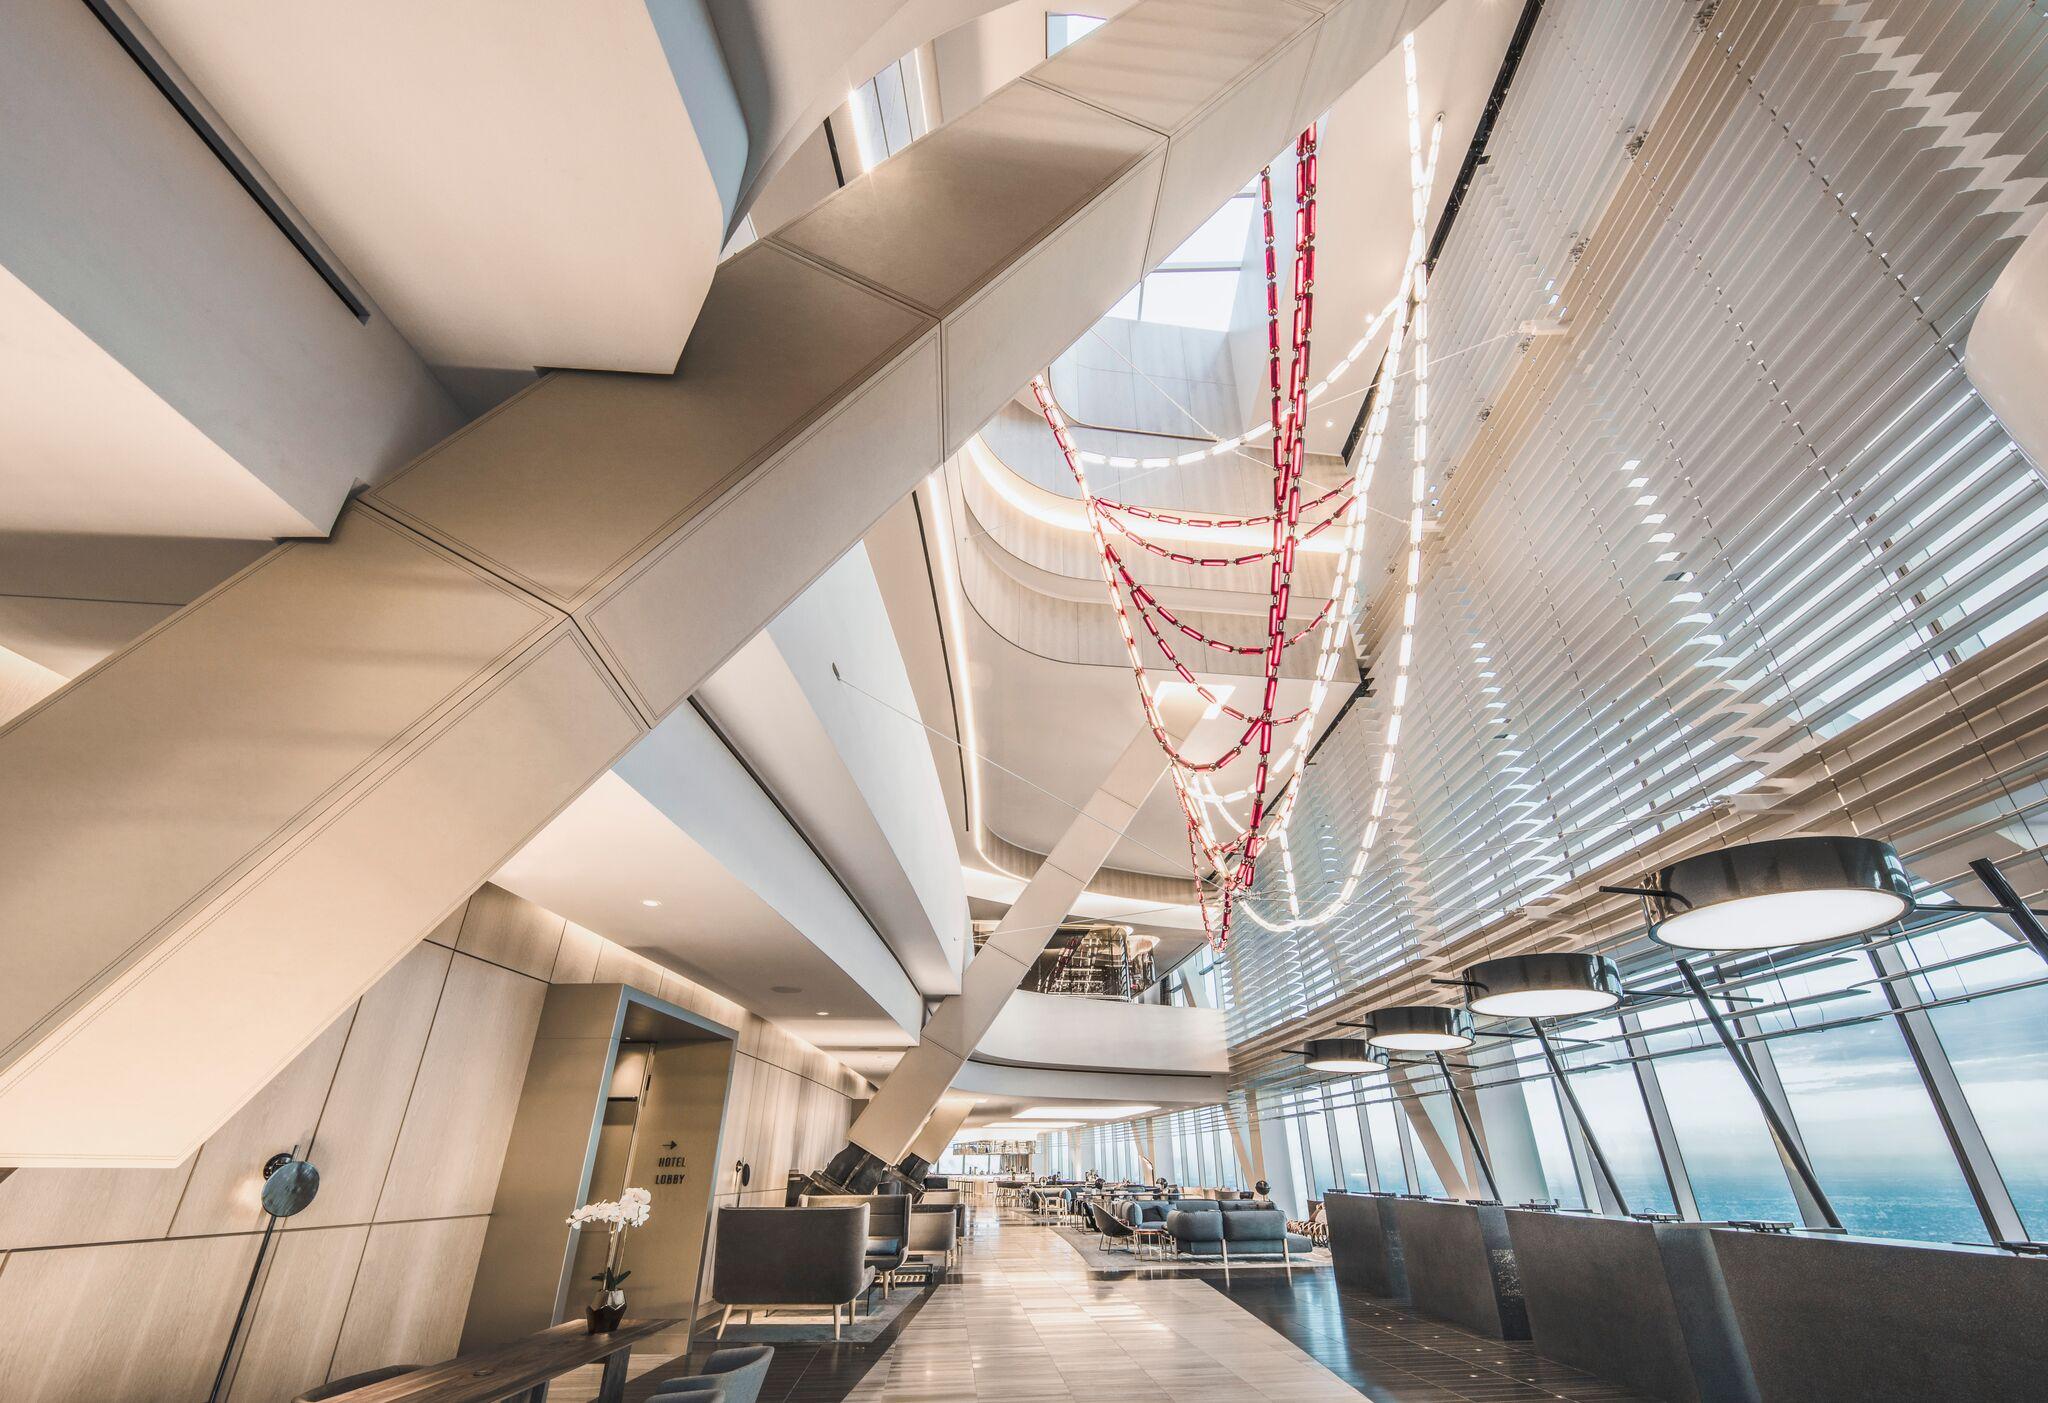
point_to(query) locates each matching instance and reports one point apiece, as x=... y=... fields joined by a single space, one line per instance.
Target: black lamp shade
x=1785 y=891
x=1343 y=1055
x=1550 y=985
x=1420 y=1028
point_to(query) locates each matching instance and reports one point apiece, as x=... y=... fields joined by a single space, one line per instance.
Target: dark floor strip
x=801 y=1372
x=1395 y=1356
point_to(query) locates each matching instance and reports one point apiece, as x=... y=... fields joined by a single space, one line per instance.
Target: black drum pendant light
x=1786 y=891
x=1419 y=1028
x=1777 y=893
x=1548 y=985
x=1343 y=1055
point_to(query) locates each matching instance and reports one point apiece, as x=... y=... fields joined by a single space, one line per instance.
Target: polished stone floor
x=1023 y=1319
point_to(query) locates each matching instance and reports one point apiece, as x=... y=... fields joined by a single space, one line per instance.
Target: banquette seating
x=1231 y=1228
x=818 y=1257
x=888 y=1240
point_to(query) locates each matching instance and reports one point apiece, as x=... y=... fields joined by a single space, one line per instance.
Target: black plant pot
x=605 y=1313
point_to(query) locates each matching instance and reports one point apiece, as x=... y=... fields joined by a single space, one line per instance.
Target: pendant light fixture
x=1419 y=1028
x=1777 y=893
x=1342 y=1055
x=1556 y=984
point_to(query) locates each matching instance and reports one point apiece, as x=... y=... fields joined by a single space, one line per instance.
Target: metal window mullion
x=1592 y=1188
x=1402 y=1138
x=1661 y=1129
x=1951 y=1107
x=1759 y=1054
x=1371 y=1150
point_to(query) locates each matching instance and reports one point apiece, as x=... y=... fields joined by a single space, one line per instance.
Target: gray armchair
x=769 y=1257
x=1108 y=1227
x=1145 y=1212
x=888 y=1228
x=730 y=1376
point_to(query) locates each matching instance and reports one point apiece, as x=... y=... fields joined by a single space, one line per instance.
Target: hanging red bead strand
x=1232 y=864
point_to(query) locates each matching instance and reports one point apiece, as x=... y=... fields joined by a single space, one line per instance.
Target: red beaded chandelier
x=1231 y=863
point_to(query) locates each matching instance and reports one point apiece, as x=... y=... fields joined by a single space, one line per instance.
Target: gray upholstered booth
x=1365 y=1244
x=1209 y=1228
x=1827 y=1319
x=730 y=1376
x=770 y=1257
x=952 y=1198
x=888 y=1227
x=934 y=1231
x=1461 y=1266
x=1600 y=1299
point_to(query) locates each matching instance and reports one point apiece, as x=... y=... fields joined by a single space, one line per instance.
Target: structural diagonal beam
x=221 y=836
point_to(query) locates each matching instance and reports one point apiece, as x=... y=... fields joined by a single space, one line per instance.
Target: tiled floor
x=1025 y=1320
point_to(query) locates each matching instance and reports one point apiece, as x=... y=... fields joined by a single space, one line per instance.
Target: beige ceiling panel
x=1009 y=330
x=1245 y=127
x=1163 y=62
x=1354 y=36
x=564 y=485
x=689 y=606
x=958 y=208
x=290 y=682
x=344 y=740
x=213 y=1010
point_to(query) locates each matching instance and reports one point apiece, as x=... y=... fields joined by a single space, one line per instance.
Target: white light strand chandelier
x=1233 y=861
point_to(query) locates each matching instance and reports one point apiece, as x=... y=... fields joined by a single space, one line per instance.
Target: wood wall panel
x=410 y=1294
x=119 y=1286
x=499 y=927
x=577 y=961
x=297 y=1321
x=132 y=1322
x=366 y=1105
x=50 y=1207
x=463 y=1101
x=225 y=1191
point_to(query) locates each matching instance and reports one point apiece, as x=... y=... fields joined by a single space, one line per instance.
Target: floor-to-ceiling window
x=1723 y=1142
x=1998 y=1046
x=1385 y=1128
x=1547 y=1124
x=1347 y=1121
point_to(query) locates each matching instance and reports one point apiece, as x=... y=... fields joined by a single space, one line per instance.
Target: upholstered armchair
x=1108 y=1227
x=769 y=1257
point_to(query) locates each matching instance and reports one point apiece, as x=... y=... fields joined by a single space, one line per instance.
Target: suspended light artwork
x=1230 y=862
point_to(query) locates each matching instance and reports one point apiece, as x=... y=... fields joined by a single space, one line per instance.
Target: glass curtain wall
x=1909 y=1069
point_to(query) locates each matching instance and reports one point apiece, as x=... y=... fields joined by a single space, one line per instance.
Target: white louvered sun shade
x=1746 y=501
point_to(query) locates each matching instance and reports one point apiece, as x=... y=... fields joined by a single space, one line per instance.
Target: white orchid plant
x=617 y=1216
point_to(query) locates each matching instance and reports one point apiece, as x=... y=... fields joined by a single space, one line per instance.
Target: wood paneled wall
x=119 y=1286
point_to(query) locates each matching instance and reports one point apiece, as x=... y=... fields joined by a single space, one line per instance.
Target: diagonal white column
x=217 y=839
x=890 y=1122
x=942 y=1125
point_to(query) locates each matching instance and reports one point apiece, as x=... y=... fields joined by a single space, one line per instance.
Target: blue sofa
x=1230 y=1229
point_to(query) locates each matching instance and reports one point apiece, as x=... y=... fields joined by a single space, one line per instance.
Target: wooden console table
x=520 y=1370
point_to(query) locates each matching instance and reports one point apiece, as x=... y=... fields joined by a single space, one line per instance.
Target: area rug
x=798 y=1324
x=1124 y=1259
